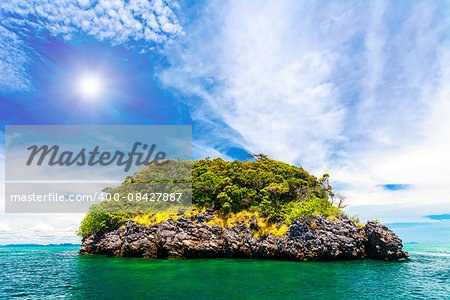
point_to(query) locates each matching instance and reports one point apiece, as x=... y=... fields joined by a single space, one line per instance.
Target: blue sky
x=356 y=89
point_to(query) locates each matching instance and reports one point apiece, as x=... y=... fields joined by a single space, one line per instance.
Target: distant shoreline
x=40 y=245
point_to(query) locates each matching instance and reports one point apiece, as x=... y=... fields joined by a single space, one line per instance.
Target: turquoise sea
x=59 y=272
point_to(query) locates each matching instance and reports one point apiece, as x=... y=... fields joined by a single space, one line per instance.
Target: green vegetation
x=272 y=190
x=101 y=222
x=280 y=190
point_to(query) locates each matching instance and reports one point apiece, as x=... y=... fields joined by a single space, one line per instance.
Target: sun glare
x=90 y=86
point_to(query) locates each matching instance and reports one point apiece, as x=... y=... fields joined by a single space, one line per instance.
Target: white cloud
x=4 y=227
x=118 y=21
x=270 y=82
x=204 y=151
x=42 y=227
x=39 y=228
x=84 y=3
x=349 y=88
x=13 y=62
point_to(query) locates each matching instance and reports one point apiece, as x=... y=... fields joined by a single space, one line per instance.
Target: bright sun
x=90 y=86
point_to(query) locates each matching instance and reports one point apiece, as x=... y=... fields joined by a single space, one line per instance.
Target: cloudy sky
x=360 y=90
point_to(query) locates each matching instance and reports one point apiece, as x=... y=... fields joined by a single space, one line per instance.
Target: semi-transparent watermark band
x=115 y=169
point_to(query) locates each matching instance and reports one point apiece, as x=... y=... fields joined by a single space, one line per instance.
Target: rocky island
x=260 y=209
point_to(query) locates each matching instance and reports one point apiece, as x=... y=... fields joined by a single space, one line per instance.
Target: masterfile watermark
x=94 y=157
x=116 y=169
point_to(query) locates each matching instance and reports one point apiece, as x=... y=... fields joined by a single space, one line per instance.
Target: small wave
x=437 y=254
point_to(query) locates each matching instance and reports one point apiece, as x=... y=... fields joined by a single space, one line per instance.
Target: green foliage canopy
x=282 y=191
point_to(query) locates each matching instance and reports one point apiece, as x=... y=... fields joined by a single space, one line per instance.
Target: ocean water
x=59 y=272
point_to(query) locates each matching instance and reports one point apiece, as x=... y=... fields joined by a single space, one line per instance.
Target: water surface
x=49 y=272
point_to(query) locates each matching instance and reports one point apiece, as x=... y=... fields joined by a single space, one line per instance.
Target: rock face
x=382 y=243
x=309 y=239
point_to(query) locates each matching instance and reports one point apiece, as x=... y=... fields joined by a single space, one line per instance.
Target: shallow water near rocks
x=50 y=271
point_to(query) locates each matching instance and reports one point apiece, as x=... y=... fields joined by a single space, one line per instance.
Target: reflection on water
x=48 y=272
